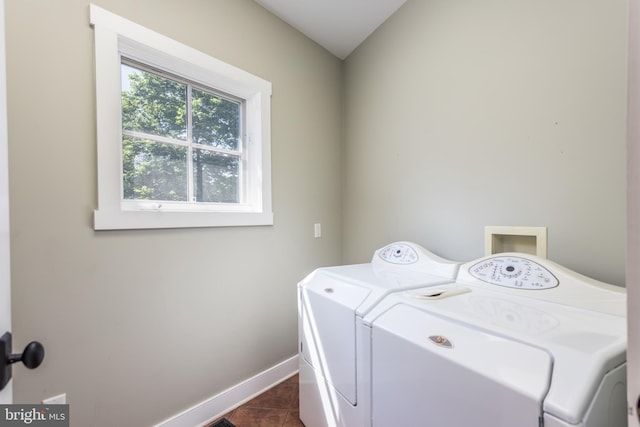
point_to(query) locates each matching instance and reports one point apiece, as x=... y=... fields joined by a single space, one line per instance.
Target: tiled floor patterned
x=276 y=407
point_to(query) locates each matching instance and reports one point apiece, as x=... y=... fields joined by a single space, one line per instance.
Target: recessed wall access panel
x=528 y=240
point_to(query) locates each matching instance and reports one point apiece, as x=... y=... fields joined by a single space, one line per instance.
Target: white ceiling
x=337 y=25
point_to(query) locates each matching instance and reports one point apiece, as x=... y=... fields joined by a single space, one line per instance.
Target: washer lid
x=583 y=344
x=445 y=373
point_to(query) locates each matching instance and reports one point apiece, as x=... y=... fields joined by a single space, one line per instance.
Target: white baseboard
x=222 y=403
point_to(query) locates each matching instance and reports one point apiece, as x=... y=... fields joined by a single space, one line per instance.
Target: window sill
x=131 y=220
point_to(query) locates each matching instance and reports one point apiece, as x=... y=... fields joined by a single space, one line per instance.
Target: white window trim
x=114 y=36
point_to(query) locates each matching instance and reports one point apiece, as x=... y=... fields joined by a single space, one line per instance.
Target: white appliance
x=331 y=304
x=516 y=341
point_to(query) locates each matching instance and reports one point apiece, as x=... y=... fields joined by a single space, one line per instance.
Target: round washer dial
x=514 y=272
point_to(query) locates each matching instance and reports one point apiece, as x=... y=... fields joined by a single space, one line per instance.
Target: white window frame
x=116 y=37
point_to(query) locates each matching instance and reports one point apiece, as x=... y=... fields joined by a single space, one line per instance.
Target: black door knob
x=31 y=357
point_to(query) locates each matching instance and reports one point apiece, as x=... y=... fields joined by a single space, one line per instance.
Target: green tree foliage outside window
x=166 y=124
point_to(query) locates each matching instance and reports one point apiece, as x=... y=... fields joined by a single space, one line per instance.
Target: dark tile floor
x=276 y=407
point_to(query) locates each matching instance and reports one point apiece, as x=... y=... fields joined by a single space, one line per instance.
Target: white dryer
x=516 y=341
x=331 y=304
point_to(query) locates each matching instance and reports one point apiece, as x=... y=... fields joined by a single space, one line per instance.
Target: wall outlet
x=60 y=399
x=317 y=230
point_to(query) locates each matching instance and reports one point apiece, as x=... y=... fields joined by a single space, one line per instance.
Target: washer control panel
x=409 y=256
x=514 y=272
x=398 y=253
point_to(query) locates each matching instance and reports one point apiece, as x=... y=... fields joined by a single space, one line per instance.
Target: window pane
x=154 y=171
x=215 y=177
x=216 y=121
x=153 y=104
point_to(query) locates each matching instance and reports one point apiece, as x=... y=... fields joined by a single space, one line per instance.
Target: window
x=180 y=143
x=183 y=138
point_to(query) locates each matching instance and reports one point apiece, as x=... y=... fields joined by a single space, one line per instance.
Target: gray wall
x=140 y=325
x=461 y=114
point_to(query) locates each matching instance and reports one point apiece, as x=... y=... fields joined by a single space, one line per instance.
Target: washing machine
x=515 y=341
x=331 y=304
